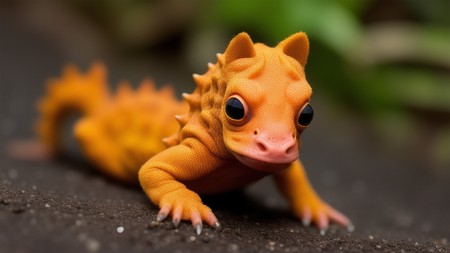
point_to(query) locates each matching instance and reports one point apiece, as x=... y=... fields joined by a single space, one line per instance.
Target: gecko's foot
x=187 y=208
x=321 y=214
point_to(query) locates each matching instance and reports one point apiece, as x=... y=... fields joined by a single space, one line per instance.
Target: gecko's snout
x=276 y=149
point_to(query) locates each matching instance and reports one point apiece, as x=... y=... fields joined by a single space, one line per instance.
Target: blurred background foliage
x=385 y=61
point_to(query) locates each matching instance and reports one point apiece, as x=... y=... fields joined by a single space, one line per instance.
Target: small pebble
x=92 y=245
x=47 y=205
x=370 y=237
x=120 y=230
x=205 y=239
x=233 y=247
x=192 y=238
x=154 y=224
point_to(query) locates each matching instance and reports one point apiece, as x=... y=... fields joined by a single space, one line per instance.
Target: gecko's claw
x=306 y=222
x=197 y=222
x=306 y=217
x=163 y=213
x=323 y=231
x=176 y=216
x=198 y=228
x=161 y=217
x=217 y=225
x=350 y=227
x=176 y=222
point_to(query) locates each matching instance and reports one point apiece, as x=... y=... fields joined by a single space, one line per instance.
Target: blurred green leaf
x=407 y=42
x=336 y=27
x=419 y=88
x=431 y=11
x=355 y=6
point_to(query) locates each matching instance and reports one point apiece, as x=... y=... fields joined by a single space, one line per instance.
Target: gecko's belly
x=225 y=178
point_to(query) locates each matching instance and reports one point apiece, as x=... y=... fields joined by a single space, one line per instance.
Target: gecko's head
x=266 y=101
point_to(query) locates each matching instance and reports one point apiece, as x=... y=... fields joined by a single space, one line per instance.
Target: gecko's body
x=244 y=123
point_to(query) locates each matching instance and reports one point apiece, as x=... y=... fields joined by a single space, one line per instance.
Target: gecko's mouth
x=264 y=164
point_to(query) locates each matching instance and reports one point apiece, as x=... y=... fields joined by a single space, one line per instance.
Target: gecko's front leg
x=161 y=179
x=305 y=202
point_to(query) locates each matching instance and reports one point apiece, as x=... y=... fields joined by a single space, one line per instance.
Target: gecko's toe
x=211 y=219
x=339 y=218
x=322 y=222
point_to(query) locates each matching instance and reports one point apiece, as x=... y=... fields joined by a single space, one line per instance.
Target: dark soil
x=396 y=203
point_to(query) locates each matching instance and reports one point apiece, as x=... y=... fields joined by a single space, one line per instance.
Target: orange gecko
x=243 y=123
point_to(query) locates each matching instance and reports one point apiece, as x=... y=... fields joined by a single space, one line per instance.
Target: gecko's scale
x=244 y=123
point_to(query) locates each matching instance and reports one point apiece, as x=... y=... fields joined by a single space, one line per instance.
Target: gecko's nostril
x=255 y=132
x=261 y=147
x=290 y=150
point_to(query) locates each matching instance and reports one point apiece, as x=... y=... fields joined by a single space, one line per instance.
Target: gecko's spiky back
x=205 y=102
x=195 y=102
x=130 y=128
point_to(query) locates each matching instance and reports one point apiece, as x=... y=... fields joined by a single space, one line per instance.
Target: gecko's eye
x=305 y=116
x=236 y=110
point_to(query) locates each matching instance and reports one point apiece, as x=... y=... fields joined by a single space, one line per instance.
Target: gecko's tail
x=116 y=132
x=72 y=93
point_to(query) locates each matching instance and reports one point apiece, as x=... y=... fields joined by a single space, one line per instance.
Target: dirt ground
x=396 y=203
